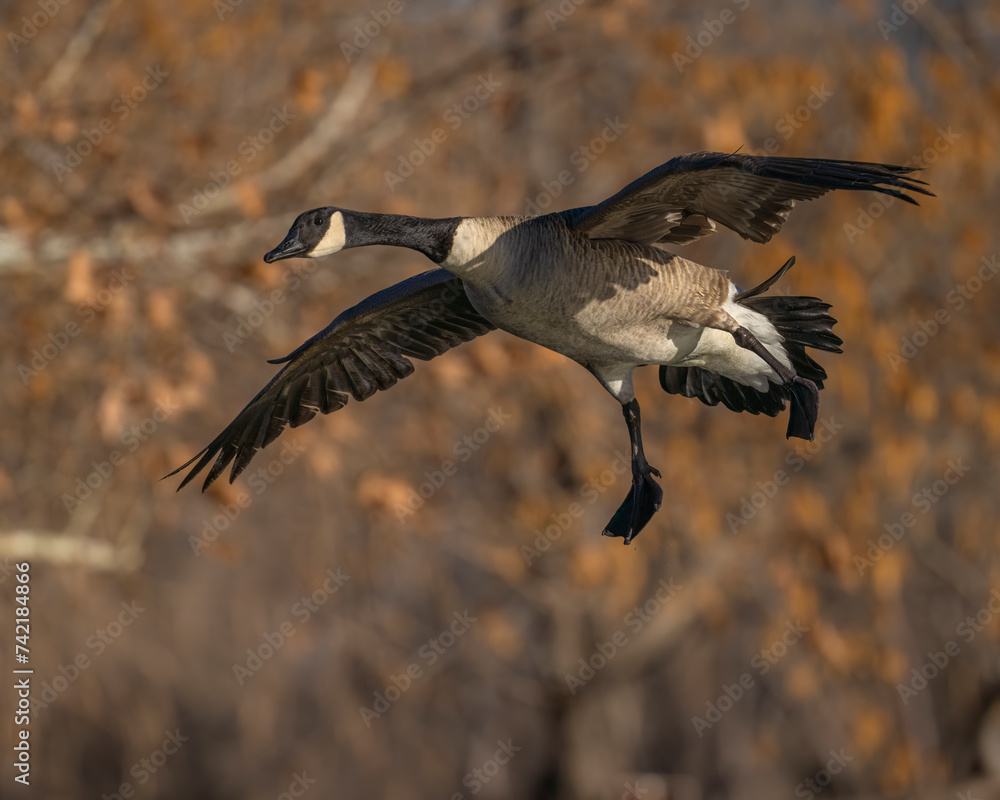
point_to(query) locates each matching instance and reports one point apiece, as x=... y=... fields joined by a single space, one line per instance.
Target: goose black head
x=315 y=233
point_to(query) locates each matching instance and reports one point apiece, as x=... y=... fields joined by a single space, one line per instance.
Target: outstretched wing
x=683 y=199
x=363 y=350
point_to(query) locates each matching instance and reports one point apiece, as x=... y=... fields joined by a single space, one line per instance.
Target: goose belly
x=613 y=302
x=596 y=332
x=597 y=337
x=607 y=333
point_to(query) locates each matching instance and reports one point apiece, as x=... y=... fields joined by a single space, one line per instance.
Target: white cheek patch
x=334 y=238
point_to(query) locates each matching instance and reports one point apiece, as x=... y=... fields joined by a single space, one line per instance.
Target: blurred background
x=411 y=598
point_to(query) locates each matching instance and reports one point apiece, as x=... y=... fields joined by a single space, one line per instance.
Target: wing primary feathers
x=752 y=195
x=364 y=350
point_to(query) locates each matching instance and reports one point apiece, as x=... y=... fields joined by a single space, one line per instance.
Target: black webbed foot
x=643 y=500
x=645 y=497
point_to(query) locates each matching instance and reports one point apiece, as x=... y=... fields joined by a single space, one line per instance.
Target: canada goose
x=586 y=283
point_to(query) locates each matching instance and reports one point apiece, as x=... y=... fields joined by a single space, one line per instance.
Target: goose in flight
x=588 y=283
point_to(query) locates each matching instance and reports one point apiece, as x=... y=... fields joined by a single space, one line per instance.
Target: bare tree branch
x=68 y=549
x=330 y=128
x=73 y=545
x=76 y=51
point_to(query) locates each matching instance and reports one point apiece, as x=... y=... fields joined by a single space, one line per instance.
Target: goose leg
x=805 y=396
x=646 y=495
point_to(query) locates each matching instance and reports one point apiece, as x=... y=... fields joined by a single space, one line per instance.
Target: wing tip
x=206 y=456
x=185 y=465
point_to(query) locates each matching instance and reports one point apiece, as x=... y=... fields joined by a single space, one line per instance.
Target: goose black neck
x=432 y=237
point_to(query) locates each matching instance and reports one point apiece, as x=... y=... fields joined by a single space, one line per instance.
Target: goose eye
x=317 y=221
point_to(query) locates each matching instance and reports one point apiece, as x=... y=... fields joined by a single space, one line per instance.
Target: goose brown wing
x=682 y=200
x=365 y=349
